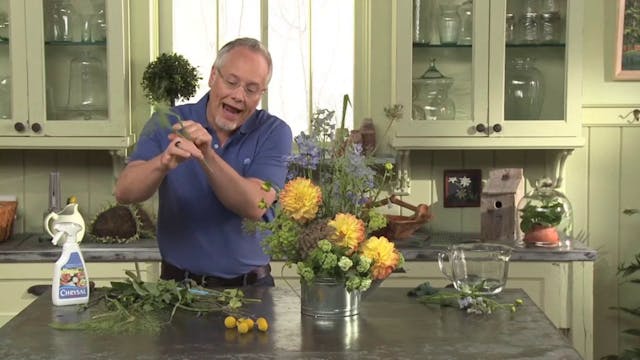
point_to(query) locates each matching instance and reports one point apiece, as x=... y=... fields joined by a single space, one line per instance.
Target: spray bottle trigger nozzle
x=69 y=229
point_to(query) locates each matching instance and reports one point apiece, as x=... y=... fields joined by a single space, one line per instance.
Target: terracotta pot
x=542 y=236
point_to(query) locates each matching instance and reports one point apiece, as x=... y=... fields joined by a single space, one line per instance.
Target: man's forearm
x=139 y=181
x=238 y=194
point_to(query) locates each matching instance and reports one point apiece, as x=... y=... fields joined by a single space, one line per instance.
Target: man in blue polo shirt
x=209 y=168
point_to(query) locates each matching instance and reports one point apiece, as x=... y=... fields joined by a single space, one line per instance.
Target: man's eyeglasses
x=251 y=90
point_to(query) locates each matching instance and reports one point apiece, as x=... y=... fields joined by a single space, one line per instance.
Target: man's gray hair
x=249 y=43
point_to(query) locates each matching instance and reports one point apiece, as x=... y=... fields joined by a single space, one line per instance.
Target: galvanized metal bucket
x=328 y=298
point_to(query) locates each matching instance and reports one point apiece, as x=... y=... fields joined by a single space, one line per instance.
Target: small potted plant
x=545 y=216
x=538 y=222
x=168 y=78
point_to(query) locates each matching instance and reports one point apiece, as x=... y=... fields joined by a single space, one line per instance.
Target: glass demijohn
x=87 y=86
x=524 y=90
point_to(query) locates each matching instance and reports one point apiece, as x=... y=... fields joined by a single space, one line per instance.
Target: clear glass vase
x=545 y=217
x=524 y=90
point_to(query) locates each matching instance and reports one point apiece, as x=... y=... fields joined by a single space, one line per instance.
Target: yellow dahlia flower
x=384 y=255
x=350 y=231
x=301 y=199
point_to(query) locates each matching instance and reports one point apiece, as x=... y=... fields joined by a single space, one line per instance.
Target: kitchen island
x=390 y=325
x=559 y=281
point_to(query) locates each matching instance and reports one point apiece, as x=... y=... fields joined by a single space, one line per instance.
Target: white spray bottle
x=70 y=280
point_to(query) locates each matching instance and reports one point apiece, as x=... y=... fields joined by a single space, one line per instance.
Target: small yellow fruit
x=230 y=322
x=249 y=322
x=243 y=327
x=262 y=323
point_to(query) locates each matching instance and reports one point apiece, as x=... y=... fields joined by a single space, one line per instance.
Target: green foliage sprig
x=135 y=306
x=625 y=271
x=168 y=78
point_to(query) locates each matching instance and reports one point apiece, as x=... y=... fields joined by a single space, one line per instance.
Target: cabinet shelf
x=422 y=45
x=75 y=43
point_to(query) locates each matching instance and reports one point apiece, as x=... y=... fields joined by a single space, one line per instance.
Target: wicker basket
x=402 y=227
x=7 y=217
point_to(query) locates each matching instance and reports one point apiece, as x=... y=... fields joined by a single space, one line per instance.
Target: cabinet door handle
x=481 y=128
x=19 y=127
x=497 y=127
x=36 y=127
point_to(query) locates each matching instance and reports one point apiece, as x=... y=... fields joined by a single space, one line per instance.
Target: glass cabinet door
x=75 y=59
x=13 y=90
x=515 y=77
x=78 y=77
x=532 y=67
x=449 y=67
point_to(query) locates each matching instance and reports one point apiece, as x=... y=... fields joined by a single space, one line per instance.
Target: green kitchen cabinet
x=480 y=110
x=66 y=75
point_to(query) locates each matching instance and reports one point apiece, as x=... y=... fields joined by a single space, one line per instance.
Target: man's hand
x=195 y=133
x=189 y=140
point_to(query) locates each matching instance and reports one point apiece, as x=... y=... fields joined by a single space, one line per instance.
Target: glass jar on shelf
x=4 y=26
x=545 y=217
x=5 y=97
x=465 y=29
x=422 y=21
x=448 y=24
x=527 y=23
x=524 y=90
x=60 y=21
x=551 y=28
x=431 y=99
x=87 y=86
x=509 y=28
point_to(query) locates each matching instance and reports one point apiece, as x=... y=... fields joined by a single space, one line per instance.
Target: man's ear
x=212 y=75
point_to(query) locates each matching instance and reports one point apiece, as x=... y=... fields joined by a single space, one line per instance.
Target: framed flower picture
x=627 y=56
x=462 y=188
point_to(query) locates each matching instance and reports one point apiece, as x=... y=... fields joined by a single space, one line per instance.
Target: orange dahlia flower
x=383 y=254
x=350 y=231
x=301 y=199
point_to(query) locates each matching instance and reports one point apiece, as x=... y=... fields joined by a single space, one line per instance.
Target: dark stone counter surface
x=390 y=326
x=38 y=248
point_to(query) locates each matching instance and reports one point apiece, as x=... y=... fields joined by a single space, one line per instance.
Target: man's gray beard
x=226 y=125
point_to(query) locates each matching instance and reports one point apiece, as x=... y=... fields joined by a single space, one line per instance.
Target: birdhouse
x=499 y=205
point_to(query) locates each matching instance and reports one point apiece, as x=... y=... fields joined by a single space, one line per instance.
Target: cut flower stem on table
x=469 y=299
x=135 y=306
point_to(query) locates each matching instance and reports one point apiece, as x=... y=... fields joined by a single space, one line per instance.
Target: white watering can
x=69 y=214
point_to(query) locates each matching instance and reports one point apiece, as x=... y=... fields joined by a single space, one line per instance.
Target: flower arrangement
x=323 y=216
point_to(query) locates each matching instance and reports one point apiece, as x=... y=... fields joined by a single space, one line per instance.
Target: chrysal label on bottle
x=73 y=280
